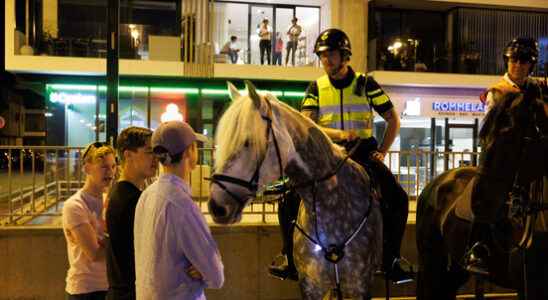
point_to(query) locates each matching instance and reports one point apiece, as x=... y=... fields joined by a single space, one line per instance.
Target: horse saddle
x=462 y=205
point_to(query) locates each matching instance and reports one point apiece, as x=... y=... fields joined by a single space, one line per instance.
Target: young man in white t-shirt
x=84 y=227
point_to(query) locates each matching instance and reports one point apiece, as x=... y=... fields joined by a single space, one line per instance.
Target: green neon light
x=188 y=91
x=275 y=93
x=293 y=94
x=72 y=87
x=143 y=89
x=215 y=92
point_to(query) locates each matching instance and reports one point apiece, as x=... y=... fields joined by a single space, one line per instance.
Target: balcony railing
x=36 y=180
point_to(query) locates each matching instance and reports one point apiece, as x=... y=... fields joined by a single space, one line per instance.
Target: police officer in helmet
x=520 y=57
x=342 y=103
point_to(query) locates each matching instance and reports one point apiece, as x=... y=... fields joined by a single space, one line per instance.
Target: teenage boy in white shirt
x=83 y=226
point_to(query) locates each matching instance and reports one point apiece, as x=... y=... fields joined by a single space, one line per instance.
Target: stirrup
x=474 y=262
x=397 y=274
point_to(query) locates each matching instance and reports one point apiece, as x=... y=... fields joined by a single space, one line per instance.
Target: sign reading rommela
x=458 y=107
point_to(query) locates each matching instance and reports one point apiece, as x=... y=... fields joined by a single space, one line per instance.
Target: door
x=460 y=140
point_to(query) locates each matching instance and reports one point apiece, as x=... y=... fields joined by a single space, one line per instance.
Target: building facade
x=433 y=58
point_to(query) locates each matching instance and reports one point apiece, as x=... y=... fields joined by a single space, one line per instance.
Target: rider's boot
x=400 y=271
x=282 y=266
x=476 y=258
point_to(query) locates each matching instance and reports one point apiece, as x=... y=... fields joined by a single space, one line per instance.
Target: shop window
x=167 y=105
x=132 y=108
x=309 y=19
x=230 y=20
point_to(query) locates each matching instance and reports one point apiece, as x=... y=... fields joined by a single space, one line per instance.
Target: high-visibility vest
x=348 y=108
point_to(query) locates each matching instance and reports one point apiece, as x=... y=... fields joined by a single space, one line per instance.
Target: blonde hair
x=241 y=123
x=95 y=152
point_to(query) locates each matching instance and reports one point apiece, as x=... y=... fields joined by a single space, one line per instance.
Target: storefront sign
x=458 y=109
x=76 y=98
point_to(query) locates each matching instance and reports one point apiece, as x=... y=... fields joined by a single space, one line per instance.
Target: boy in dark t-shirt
x=137 y=164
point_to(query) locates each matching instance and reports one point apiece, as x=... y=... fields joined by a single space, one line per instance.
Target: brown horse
x=514 y=156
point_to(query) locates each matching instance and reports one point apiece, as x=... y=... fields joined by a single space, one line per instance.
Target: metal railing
x=36 y=180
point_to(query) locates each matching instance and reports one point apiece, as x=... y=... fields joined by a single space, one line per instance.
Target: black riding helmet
x=522 y=48
x=333 y=39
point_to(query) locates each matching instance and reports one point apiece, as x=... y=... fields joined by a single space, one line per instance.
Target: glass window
x=230 y=20
x=132 y=107
x=409 y=40
x=167 y=105
x=309 y=19
x=258 y=14
x=243 y=20
x=101 y=117
x=80 y=109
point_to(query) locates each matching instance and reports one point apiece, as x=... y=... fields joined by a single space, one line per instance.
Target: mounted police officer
x=520 y=57
x=342 y=103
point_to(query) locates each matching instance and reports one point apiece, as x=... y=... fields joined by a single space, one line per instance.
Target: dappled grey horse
x=339 y=236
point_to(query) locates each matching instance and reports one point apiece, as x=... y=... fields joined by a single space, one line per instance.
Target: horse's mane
x=239 y=124
x=497 y=120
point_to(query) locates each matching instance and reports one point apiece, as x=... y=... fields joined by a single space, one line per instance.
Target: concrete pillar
x=351 y=17
x=49 y=18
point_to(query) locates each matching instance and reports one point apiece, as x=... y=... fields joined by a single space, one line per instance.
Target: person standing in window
x=278 y=48
x=293 y=32
x=265 y=43
x=83 y=226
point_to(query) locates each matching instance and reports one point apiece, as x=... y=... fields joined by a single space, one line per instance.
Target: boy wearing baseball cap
x=175 y=254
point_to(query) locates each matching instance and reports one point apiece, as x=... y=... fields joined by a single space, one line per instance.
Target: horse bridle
x=252 y=184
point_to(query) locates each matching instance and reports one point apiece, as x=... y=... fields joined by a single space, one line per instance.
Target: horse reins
x=253 y=183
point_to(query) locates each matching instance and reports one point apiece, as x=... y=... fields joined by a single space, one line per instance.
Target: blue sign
x=458 y=107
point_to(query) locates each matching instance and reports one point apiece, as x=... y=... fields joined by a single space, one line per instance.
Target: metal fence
x=36 y=180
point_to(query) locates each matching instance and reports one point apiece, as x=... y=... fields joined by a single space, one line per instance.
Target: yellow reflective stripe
x=365 y=133
x=310 y=102
x=380 y=99
x=370 y=93
x=353 y=116
x=354 y=99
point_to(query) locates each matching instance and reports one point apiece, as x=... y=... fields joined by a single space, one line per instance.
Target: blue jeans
x=99 y=295
x=277 y=58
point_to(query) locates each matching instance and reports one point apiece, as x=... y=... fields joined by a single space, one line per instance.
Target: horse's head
x=252 y=149
x=514 y=138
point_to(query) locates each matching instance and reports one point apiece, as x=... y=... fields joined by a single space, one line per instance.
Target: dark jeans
x=265 y=45
x=277 y=58
x=291 y=47
x=121 y=294
x=394 y=201
x=394 y=205
x=99 y=295
x=233 y=56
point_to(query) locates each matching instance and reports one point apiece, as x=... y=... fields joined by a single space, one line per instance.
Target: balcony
x=161 y=39
x=450 y=38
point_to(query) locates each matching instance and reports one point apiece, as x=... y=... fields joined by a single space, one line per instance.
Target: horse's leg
x=436 y=280
x=309 y=291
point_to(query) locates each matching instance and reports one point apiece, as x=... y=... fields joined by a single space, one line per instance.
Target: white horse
x=338 y=243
